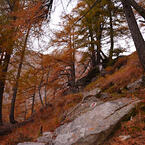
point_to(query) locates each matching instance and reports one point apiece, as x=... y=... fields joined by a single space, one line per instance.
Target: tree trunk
x=25 y=113
x=33 y=101
x=135 y=32
x=98 y=61
x=6 y=55
x=2 y=80
x=111 y=35
x=92 y=49
x=73 y=84
x=39 y=90
x=99 y=37
x=138 y=8
x=72 y=73
x=46 y=88
x=15 y=88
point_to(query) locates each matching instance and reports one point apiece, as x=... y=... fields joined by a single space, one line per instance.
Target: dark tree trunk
x=2 y=80
x=135 y=32
x=92 y=49
x=72 y=66
x=6 y=55
x=39 y=90
x=33 y=101
x=98 y=61
x=111 y=35
x=15 y=88
x=138 y=8
x=99 y=37
x=98 y=57
x=46 y=88
x=73 y=84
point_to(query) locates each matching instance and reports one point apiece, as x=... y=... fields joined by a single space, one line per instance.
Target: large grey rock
x=94 y=126
x=31 y=143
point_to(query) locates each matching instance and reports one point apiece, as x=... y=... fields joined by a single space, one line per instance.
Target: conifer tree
x=15 y=18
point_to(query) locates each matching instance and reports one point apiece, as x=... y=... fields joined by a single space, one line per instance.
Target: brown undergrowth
x=125 y=71
x=48 y=118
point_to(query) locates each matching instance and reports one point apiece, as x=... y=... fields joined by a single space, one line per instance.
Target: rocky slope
x=91 y=126
x=106 y=102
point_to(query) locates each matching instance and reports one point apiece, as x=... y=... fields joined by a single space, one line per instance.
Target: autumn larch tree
x=15 y=87
x=7 y=43
x=12 y=28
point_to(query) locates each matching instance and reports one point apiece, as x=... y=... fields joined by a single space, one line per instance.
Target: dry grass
x=122 y=74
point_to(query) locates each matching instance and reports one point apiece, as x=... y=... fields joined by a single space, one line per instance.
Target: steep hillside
x=123 y=79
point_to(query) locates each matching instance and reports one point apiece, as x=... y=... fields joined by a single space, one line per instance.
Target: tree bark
x=138 y=8
x=46 y=88
x=72 y=81
x=98 y=61
x=92 y=47
x=15 y=88
x=39 y=90
x=93 y=53
x=135 y=32
x=6 y=55
x=2 y=81
x=111 y=34
x=25 y=113
x=33 y=101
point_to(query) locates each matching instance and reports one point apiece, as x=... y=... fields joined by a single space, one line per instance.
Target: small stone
x=124 y=137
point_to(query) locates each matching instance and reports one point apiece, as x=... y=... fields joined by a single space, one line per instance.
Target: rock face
x=94 y=126
x=91 y=127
